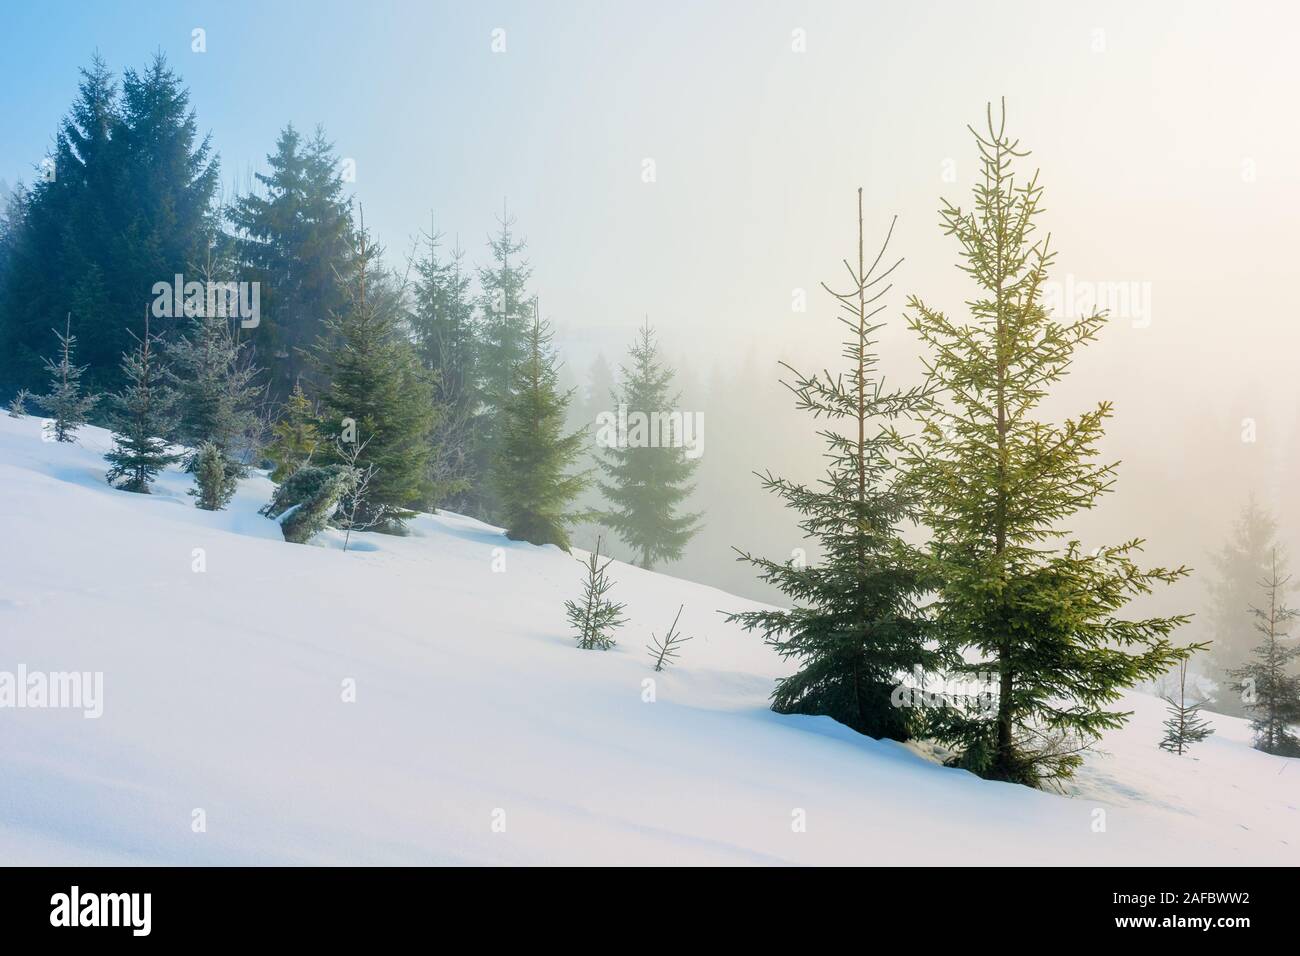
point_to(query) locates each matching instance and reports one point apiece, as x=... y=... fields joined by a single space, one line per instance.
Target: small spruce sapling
x=1185 y=725
x=215 y=483
x=595 y=617
x=353 y=513
x=18 y=405
x=294 y=437
x=65 y=402
x=142 y=412
x=665 y=651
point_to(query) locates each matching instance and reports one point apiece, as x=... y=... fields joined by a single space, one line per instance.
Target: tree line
x=438 y=384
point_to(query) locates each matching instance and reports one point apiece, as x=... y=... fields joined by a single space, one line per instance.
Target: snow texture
x=224 y=691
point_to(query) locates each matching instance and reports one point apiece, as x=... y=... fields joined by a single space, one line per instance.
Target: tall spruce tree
x=142 y=415
x=442 y=322
x=1271 y=694
x=1014 y=603
x=854 y=626
x=505 y=311
x=531 y=469
x=1185 y=725
x=295 y=237
x=378 y=395
x=446 y=338
x=66 y=401
x=647 y=480
x=1244 y=560
x=125 y=201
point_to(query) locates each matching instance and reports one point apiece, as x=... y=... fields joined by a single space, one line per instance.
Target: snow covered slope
x=479 y=733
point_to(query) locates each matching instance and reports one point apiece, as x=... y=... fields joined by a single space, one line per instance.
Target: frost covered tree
x=18 y=404
x=648 y=482
x=595 y=617
x=68 y=406
x=531 y=473
x=354 y=511
x=143 y=412
x=294 y=437
x=1185 y=725
x=216 y=382
x=854 y=624
x=1272 y=695
x=215 y=481
x=306 y=501
x=1017 y=601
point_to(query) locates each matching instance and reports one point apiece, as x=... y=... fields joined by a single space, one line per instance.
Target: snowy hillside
x=223 y=692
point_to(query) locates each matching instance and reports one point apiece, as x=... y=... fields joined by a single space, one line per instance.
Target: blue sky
x=1141 y=117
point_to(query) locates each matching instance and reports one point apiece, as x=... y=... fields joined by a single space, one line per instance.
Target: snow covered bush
x=307 y=500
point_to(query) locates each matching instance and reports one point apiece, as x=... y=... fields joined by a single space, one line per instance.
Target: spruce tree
x=217 y=386
x=1016 y=601
x=215 y=481
x=442 y=322
x=18 y=404
x=1271 y=695
x=1236 y=570
x=854 y=625
x=295 y=237
x=505 y=310
x=142 y=414
x=65 y=401
x=353 y=513
x=1185 y=725
x=294 y=437
x=530 y=471
x=446 y=338
x=130 y=204
x=648 y=482
x=377 y=392
x=595 y=617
